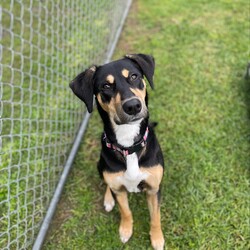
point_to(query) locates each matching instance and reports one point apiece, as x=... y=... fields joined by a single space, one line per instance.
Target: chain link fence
x=44 y=44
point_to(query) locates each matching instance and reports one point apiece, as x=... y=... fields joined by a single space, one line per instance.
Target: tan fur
x=156 y=235
x=108 y=195
x=112 y=106
x=126 y=224
x=153 y=180
x=110 y=79
x=109 y=201
x=139 y=93
x=110 y=179
x=125 y=73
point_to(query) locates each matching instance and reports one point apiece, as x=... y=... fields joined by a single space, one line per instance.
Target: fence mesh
x=43 y=45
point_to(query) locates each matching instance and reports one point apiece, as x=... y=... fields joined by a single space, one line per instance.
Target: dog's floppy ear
x=83 y=87
x=146 y=64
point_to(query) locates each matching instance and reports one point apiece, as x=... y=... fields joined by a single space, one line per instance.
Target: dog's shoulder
x=153 y=154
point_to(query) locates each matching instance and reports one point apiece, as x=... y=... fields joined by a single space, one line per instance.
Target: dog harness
x=127 y=150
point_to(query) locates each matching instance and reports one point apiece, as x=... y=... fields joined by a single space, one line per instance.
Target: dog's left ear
x=146 y=64
x=83 y=87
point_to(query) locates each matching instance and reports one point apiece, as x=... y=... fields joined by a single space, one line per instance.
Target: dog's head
x=119 y=87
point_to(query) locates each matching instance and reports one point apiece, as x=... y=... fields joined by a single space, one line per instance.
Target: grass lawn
x=201 y=103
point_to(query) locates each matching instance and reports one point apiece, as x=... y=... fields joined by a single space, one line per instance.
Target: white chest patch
x=133 y=175
x=125 y=135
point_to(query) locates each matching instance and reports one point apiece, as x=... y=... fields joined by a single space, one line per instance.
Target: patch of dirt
x=63 y=212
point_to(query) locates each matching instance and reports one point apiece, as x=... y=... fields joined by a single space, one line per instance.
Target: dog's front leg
x=153 y=181
x=156 y=235
x=126 y=225
x=109 y=201
x=114 y=184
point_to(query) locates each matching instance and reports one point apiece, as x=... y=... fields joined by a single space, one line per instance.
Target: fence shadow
x=246 y=89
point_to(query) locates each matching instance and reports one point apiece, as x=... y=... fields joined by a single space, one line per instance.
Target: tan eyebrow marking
x=125 y=73
x=110 y=79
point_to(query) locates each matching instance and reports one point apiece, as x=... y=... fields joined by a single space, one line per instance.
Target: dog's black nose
x=132 y=107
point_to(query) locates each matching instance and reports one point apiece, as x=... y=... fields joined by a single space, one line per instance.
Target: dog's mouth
x=136 y=119
x=122 y=118
x=132 y=121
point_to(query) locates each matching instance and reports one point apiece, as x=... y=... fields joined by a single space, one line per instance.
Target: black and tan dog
x=131 y=159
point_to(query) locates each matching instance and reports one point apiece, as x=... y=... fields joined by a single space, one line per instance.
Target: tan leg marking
x=156 y=235
x=109 y=201
x=126 y=225
x=111 y=180
x=154 y=180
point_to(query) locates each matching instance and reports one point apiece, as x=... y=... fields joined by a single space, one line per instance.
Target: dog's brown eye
x=133 y=77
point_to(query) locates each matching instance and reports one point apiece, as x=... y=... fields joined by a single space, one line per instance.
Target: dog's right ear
x=147 y=65
x=83 y=87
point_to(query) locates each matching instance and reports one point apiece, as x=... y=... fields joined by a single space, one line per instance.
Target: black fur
x=83 y=87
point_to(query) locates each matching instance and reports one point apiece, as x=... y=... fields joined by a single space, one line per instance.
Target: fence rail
x=43 y=45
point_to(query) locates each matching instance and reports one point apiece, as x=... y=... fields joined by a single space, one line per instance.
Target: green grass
x=43 y=45
x=201 y=102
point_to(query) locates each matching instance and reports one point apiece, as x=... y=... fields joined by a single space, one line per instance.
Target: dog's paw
x=157 y=240
x=125 y=234
x=109 y=205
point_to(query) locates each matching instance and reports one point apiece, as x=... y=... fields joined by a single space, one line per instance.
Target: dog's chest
x=131 y=178
x=133 y=175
